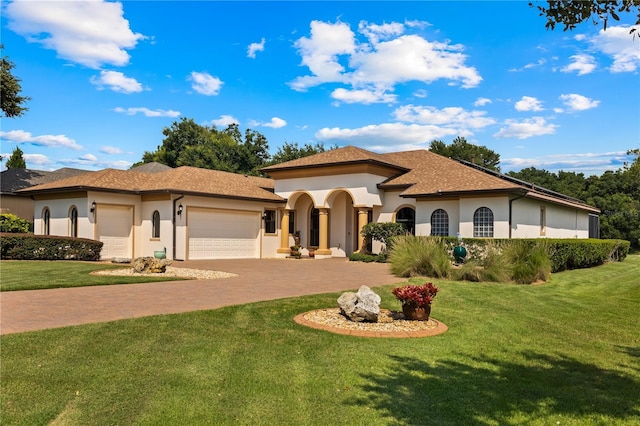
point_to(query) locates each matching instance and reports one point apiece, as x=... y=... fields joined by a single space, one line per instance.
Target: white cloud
x=148 y=112
x=449 y=117
x=420 y=93
x=583 y=64
x=482 y=102
x=275 y=123
x=364 y=96
x=204 y=83
x=578 y=102
x=38 y=160
x=528 y=103
x=255 y=47
x=539 y=63
x=535 y=126
x=375 y=32
x=51 y=141
x=386 y=136
x=91 y=33
x=333 y=54
x=91 y=161
x=112 y=150
x=117 y=82
x=225 y=120
x=88 y=157
x=620 y=46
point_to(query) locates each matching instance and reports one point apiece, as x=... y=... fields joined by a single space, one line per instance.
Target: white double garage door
x=223 y=234
x=212 y=233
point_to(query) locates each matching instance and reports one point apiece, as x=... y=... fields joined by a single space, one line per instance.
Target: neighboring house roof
x=152 y=167
x=183 y=179
x=13 y=180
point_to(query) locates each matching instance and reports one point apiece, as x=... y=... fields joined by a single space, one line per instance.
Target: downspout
x=173 y=254
x=511 y=200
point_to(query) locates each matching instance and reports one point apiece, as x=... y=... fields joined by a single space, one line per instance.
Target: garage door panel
x=222 y=234
x=115 y=231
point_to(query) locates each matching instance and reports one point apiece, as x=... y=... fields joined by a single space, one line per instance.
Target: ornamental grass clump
x=419 y=295
x=413 y=256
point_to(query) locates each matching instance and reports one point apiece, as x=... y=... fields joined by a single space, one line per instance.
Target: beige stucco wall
x=361 y=186
x=561 y=221
x=498 y=205
x=424 y=210
x=20 y=206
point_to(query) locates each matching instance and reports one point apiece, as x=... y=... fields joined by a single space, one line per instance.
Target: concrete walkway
x=257 y=280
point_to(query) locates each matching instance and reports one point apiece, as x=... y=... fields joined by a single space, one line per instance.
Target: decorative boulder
x=361 y=306
x=150 y=265
x=120 y=260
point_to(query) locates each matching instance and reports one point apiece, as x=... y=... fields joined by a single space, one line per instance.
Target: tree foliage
x=187 y=143
x=11 y=102
x=16 y=161
x=291 y=151
x=462 y=150
x=570 y=13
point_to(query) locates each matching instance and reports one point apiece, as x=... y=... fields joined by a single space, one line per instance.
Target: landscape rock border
x=333 y=321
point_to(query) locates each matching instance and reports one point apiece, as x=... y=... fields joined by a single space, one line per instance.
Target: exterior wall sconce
x=93 y=207
x=180 y=208
x=264 y=216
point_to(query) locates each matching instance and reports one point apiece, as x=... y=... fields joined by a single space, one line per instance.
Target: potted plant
x=416 y=300
x=295 y=251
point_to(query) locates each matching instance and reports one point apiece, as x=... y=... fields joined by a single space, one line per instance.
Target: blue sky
x=105 y=78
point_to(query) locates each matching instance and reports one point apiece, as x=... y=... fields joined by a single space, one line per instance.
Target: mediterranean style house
x=191 y=213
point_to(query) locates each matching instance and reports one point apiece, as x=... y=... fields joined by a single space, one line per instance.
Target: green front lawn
x=38 y=274
x=566 y=352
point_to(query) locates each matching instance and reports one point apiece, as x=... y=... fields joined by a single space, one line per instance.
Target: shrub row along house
x=194 y=213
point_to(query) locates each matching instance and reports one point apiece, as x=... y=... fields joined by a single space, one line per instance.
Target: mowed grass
x=32 y=275
x=566 y=352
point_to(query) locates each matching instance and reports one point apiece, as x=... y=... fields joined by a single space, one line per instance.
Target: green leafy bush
x=367 y=258
x=45 y=247
x=383 y=232
x=419 y=256
x=11 y=223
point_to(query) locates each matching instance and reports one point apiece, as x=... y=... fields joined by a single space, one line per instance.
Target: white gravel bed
x=388 y=321
x=171 y=271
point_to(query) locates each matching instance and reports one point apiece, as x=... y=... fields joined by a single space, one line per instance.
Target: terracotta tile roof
x=182 y=179
x=346 y=155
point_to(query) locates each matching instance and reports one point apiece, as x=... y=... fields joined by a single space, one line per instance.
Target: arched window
x=73 y=221
x=483 y=223
x=155 y=225
x=439 y=223
x=46 y=221
x=407 y=217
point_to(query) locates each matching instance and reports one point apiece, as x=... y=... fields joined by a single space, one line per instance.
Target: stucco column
x=363 y=215
x=323 y=249
x=284 y=232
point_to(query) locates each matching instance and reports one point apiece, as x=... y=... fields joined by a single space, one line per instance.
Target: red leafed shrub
x=419 y=295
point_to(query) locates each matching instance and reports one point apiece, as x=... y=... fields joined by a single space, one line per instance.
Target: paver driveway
x=257 y=280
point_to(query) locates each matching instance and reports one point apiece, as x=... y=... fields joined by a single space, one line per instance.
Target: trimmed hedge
x=48 y=247
x=565 y=253
x=367 y=258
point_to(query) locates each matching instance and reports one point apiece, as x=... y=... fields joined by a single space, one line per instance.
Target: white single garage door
x=114 y=230
x=221 y=234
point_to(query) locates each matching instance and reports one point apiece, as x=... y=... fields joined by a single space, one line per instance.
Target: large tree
x=187 y=143
x=291 y=151
x=16 y=161
x=11 y=102
x=570 y=13
x=462 y=150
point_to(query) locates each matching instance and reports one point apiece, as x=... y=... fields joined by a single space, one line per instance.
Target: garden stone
x=150 y=265
x=361 y=306
x=121 y=260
